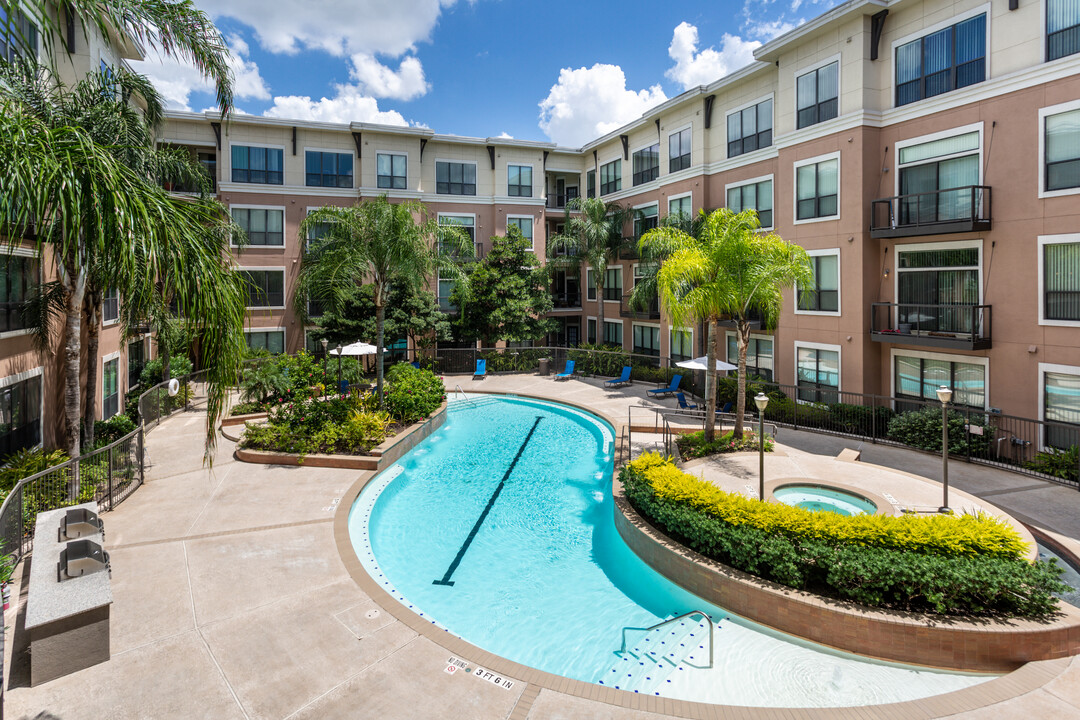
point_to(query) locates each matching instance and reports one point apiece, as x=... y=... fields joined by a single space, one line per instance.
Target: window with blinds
x=1062 y=28
x=753 y=196
x=759 y=356
x=949 y=59
x=823 y=293
x=818 y=375
x=1061 y=282
x=817 y=95
x=817 y=188
x=1061 y=403
x=935 y=286
x=1062 y=145
x=918 y=378
x=646 y=164
x=937 y=179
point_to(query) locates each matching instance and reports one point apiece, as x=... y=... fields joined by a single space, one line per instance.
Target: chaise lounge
x=621 y=380
x=568 y=371
x=672 y=388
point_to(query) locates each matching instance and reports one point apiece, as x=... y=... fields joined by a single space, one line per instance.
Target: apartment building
x=925 y=153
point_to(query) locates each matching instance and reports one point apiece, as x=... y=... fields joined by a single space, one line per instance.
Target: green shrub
x=179 y=366
x=922 y=429
x=693 y=445
x=111 y=430
x=1062 y=464
x=24 y=463
x=247 y=408
x=336 y=425
x=413 y=394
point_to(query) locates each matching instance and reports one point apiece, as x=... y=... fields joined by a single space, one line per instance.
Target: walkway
x=230 y=599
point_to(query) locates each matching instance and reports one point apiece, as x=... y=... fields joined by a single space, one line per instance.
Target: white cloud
x=589 y=102
x=349 y=104
x=505 y=135
x=693 y=68
x=768 y=29
x=376 y=79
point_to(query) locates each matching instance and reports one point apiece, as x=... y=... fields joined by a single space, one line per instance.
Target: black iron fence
x=157 y=402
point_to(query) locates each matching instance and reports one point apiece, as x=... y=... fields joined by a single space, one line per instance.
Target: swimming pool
x=499 y=529
x=818 y=498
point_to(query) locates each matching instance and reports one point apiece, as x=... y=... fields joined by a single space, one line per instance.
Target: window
x=519 y=180
x=816 y=95
x=937 y=179
x=918 y=377
x=446 y=288
x=682 y=345
x=818 y=374
x=312 y=344
x=645 y=219
x=18 y=276
x=590 y=184
x=266 y=288
x=391 y=171
x=17 y=39
x=466 y=222
x=257 y=165
x=590 y=286
x=646 y=164
x=329 y=169
x=682 y=207
x=753 y=196
x=273 y=341
x=678 y=144
x=110 y=388
x=759 y=356
x=823 y=295
x=749 y=129
x=647 y=340
x=1062 y=28
x=262 y=226
x=611 y=177
x=20 y=415
x=1061 y=404
x=315 y=309
x=455 y=178
x=110 y=306
x=1061 y=280
x=817 y=187
x=934 y=284
x=136 y=362
x=613 y=284
x=948 y=59
x=1062 y=142
x=208 y=160
x=524 y=224
x=613 y=333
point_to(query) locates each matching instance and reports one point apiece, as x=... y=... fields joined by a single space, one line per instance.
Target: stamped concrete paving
x=231 y=601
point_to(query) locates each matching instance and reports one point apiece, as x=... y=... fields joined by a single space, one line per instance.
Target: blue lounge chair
x=567 y=372
x=415 y=364
x=683 y=405
x=672 y=388
x=481 y=369
x=727 y=407
x=621 y=380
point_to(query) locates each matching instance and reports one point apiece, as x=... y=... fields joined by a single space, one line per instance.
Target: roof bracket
x=709 y=100
x=877 y=26
x=1014 y=4
x=356 y=139
x=625 y=146
x=545 y=160
x=293 y=139
x=217 y=133
x=491 y=155
x=657 y=129
x=423 y=142
x=69 y=23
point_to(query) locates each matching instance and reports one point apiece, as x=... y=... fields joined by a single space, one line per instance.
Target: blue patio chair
x=672 y=388
x=415 y=364
x=683 y=405
x=481 y=369
x=343 y=387
x=727 y=407
x=621 y=380
x=567 y=371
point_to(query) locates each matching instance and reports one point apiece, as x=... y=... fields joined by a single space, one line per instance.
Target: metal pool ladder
x=658 y=625
x=457 y=389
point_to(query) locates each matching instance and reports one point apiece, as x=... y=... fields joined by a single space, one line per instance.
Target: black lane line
x=480 y=520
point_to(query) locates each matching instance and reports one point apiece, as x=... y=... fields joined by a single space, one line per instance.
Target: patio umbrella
x=702 y=363
x=355 y=349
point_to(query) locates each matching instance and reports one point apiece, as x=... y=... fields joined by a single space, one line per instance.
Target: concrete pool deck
x=231 y=600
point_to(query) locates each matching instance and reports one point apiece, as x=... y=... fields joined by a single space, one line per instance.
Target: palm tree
x=378 y=242
x=730 y=269
x=591 y=237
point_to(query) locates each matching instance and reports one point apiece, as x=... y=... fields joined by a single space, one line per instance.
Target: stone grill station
x=67 y=607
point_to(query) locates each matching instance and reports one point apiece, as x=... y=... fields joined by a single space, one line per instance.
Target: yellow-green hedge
x=956 y=535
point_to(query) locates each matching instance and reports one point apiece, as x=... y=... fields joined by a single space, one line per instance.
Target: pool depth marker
x=480 y=520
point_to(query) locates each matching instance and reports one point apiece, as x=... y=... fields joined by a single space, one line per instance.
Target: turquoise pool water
x=812 y=497
x=527 y=564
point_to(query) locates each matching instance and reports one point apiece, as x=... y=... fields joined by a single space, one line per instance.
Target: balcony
x=754 y=318
x=957 y=210
x=558 y=201
x=566 y=300
x=960 y=327
x=650 y=312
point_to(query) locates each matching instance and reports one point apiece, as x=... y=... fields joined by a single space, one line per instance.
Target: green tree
x=729 y=270
x=412 y=315
x=508 y=295
x=378 y=242
x=594 y=233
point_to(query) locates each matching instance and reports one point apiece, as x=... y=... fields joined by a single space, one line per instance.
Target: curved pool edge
x=882 y=505
x=1027 y=678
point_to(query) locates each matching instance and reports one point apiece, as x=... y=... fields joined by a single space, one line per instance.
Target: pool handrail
x=457 y=389
x=661 y=624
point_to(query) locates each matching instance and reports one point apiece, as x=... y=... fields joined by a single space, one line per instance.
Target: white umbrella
x=702 y=363
x=356 y=348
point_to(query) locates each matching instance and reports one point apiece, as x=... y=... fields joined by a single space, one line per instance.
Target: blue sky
x=555 y=70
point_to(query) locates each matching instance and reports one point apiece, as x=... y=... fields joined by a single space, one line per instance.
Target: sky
x=556 y=70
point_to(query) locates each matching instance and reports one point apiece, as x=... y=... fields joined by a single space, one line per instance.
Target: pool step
x=472 y=401
x=646 y=667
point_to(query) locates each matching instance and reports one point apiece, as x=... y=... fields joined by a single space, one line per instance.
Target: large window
x=682 y=207
x=590 y=331
x=1062 y=28
x=392 y=171
x=759 y=356
x=466 y=222
x=646 y=164
x=523 y=224
x=519 y=180
x=18 y=277
x=948 y=59
x=110 y=306
x=19 y=38
x=682 y=345
x=262 y=226
x=936 y=179
x=273 y=341
x=590 y=285
x=1061 y=281
x=1062 y=143
x=817 y=95
x=110 y=388
x=613 y=284
x=817 y=187
x=613 y=333
x=818 y=374
x=257 y=165
x=1061 y=404
x=753 y=196
x=935 y=285
x=919 y=377
x=749 y=129
x=455 y=178
x=611 y=177
x=645 y=219
x=329 y=169
x=266 y=288
x=590 y=184
x=823 y=293
x=136 y=351
x=679 y=150
x=20 y=415
x=647 y=340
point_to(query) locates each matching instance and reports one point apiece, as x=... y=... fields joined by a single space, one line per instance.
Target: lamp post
x=762 y=402
x=944 y=394
x=325 y=342
x=339 y=367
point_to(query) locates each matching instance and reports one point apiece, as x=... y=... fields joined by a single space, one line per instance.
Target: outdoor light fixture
x=325 y=342
x=339 y=367
x=762 y=402
x=944 y=394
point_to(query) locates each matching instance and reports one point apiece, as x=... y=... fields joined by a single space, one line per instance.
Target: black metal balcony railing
x=648 y=312
x=754 y=317
x=964 y=327
x=956 y=210
x=564 y=300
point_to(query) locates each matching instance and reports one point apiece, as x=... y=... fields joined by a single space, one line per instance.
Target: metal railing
x=650 y=312
x=937 y=212
x=566 y=300
x=934 y=325
x=156 y=403
x=657 y=626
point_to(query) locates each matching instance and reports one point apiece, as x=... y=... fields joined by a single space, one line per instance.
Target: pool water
x=1070 y=576
x=813 y=497
x=527 y=564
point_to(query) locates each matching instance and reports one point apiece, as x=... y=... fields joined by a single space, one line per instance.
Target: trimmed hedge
x=413 y=394
x=693 y=445
x=960 y=565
